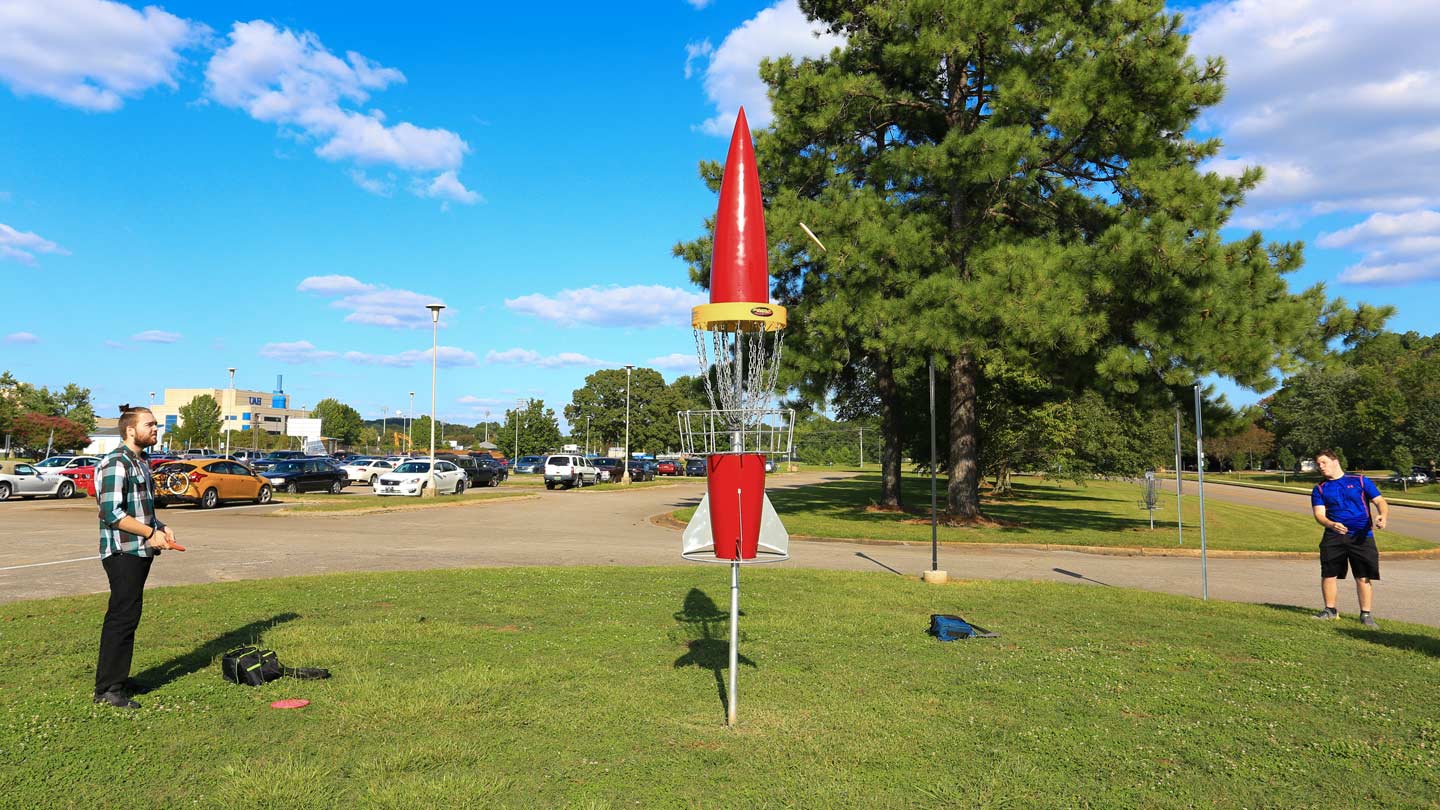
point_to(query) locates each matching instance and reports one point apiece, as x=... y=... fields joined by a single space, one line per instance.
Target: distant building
x=240 y=410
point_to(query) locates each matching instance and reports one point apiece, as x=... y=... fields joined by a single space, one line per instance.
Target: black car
x=609 y=468
x=499 y=471
x=642 y=470
x=696 y=466
x=276 y=457
x=477 y=473
x=306 y=474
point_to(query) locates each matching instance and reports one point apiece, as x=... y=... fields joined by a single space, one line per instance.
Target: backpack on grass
x=252 y=666
x=948 y=628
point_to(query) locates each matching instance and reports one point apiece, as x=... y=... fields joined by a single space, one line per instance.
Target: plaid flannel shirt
x=124 y=487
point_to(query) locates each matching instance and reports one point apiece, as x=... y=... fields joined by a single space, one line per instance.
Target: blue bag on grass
x=948 y=628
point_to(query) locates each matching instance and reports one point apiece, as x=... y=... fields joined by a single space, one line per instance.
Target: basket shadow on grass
x=202 y=656
x=1037 y=508
x=699 y=615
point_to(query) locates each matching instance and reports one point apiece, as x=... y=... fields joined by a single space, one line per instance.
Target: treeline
x=34 y=419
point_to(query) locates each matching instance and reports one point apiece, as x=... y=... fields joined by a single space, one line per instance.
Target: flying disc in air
x=290 y=703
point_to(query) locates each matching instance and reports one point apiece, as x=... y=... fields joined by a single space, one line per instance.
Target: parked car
x=248 y=457
x=209 y=483
x=27 y=481
x=642 y=470
x=345 y=456
x=498 y=472
x=696 y=466
x=302 y=474
x=58 y=463
x=610 y=469
x=274 y=457
x=84 y=478
x=769 y=464
x=366 y=470
x=476 y=474
x=569 y=471
x=529 y=465
x=667 y=467
x=413 y=478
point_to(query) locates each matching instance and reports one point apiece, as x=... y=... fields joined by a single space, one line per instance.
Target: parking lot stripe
x=56 y=562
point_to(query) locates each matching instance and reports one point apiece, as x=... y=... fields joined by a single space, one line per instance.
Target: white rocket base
x=698 y=545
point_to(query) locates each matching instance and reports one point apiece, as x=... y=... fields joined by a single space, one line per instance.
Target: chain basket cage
x=708 y=433
x=739 y=363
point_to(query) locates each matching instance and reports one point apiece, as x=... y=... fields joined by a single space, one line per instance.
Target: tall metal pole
x=232 y=407
x=626 y=478
x=384 y=423
x=588 y=417
x=434 y=364
x=862 y=448
x=1200 y=491
x=934 y=512
x=409 y=421
x=487 y=425
x=734 y=640
x=1179 y=513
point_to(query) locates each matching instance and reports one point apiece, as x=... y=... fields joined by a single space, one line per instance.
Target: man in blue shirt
x=1342 y=505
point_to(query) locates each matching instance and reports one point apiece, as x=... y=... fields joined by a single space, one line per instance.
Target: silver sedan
x=25 y=481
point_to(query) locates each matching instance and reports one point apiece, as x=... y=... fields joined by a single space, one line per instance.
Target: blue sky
x=281 y=187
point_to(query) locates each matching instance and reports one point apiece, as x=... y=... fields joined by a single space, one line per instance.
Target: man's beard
x=149 y=442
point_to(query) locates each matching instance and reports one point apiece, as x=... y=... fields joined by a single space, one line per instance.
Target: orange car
x=208 y=482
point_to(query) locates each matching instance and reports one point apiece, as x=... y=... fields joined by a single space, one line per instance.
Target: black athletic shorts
x=1341 y=551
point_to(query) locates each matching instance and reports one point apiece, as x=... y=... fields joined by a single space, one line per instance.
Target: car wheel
x=66 y=490
x=4 y=492
x=210 y=499
x=293 y=489
x=549 y=485
x=265 y=495
x=372 y=480
x=460 y=487
x=494 y=482
x=336 y=487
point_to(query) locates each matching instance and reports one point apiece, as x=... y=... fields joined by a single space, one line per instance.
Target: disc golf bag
x=948 y=628
x=251 y=666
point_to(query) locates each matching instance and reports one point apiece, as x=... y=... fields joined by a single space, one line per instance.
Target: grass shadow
x=1296 y=609
x=1400 y=641
x=201 y=657
x=699 y=614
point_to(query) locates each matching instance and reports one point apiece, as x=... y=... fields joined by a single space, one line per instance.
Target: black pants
x=127 y=574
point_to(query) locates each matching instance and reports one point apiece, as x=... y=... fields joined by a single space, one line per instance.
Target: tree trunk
x=962 y=493
x=892 y=424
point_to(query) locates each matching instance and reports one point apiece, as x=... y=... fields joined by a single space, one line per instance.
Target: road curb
x=665 y=521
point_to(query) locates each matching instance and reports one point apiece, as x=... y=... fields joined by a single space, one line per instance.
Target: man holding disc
x=130 y=539
x=1341 y=504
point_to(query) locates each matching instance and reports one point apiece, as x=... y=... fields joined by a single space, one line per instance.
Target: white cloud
x=693 y=51
x=155 y=336
x=639 y=305
x=299 y=351
x=470 y=399
x=23 y=245
x=1397 y=248
x=449 y=188
x=675 y=362
x=290 y=79
x=380 y=188
x=90 y=54
x=699 y=4
x=732 y=75
x=374 y=305
x=1339 y=102
x=21 y=337
x=527 y=357
x=447 y=357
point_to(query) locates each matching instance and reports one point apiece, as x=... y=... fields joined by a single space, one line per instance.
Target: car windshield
x=287 y=467
x=606 y=463
x=413 y=467
x=57 y=461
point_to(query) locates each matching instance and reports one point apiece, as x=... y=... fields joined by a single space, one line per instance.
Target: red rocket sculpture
x=735 y=522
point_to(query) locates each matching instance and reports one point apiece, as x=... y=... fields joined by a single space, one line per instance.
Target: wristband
x=152 y=534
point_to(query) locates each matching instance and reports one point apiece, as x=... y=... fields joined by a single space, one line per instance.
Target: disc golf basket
x=1150 y=496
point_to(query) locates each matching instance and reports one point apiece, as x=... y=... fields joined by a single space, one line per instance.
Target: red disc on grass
x=290 y=703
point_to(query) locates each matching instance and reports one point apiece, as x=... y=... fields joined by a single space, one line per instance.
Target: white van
x=569 y=471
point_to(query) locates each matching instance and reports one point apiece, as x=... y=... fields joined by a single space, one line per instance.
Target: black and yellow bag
x=251 y=666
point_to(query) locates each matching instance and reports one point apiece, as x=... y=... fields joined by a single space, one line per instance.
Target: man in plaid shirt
x=130 y=539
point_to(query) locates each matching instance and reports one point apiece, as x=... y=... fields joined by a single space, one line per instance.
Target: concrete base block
x=935 y=577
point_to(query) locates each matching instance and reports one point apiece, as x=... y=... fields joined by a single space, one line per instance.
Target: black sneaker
x=117 y=699
x=1327 y=614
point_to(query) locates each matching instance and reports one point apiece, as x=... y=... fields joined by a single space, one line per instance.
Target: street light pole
x=487 y=425
x=232 y=406
x=588 y=417
x=627 y=478
x=434 y=364
x=384 y=423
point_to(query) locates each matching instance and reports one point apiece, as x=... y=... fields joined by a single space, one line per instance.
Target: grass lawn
x=602 y=687
x=1304 y=482
x=1099 y=513
x=357 y=498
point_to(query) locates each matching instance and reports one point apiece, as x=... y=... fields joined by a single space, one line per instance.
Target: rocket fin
x=773 y=536
x=696 y=538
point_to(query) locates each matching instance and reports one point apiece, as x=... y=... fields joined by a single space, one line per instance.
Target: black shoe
x=1328 y=614
x=134 y=687
x=117 y=699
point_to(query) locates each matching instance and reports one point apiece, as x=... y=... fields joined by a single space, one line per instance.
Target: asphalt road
x=50 y=548
x=1412 y=520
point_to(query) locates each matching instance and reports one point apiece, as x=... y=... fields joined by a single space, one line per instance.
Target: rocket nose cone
x=739 y=264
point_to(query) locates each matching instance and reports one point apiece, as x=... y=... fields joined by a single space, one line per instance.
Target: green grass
x=602 y=687
x=1304 y=482
x=1099 y=513
x=353 y=500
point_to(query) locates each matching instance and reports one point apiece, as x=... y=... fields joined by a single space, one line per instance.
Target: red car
x=84 y=478
x=667 y=468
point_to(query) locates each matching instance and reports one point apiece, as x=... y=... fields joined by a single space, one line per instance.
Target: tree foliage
x=199 y=422
x=338 y=421
x=654 y=428
x=538 y=430
x=18 y=397
x=1012 y=183
x=33 y=432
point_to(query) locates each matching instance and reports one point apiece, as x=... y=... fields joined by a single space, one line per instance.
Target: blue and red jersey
x=1347 y=500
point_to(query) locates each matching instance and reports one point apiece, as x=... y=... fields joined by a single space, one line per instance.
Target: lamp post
x=626 y=478
x=410 y=420
x=434 y=364
x=487 y=425
x=588 y=417
x=384 y=423
x=224 y=417
x=521 y=405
